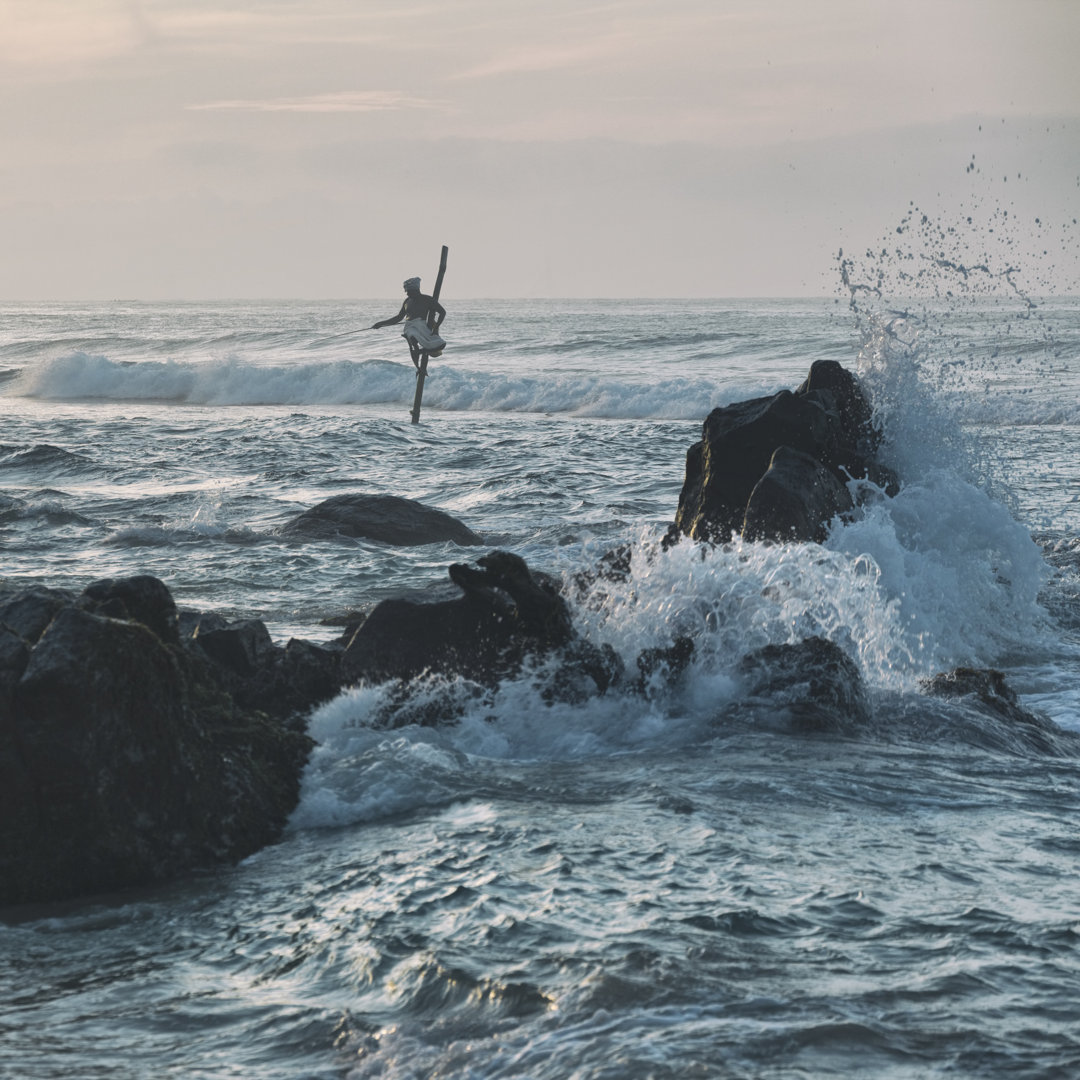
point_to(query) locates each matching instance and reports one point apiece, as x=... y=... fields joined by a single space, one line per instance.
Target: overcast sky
x=705 y=148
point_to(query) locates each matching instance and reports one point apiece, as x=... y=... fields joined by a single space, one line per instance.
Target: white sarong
x=418 y=330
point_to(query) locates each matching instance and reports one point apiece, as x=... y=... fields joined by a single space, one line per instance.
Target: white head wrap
x=411 y=283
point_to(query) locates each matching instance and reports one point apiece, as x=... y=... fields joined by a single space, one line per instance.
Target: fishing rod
x=332 y=337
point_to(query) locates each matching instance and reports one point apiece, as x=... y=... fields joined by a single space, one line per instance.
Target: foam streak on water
x=632 y=885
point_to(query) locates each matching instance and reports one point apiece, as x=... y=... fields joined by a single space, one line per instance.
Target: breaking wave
x=83 y=377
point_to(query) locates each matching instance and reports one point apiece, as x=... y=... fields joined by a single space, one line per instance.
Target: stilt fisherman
x=415 y=311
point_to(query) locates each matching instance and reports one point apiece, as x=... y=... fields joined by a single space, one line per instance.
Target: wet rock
x=583 y=671
x=1003 y=723
x=737 y=444
x=827 y=419
x=507 y=616
x=144 y=599
x=505 y=613
x=385 y=518
x=811 y=686
x=123 y=760
x=659 y=668
x=795 y=500
x=240 y=646
x=858 y=436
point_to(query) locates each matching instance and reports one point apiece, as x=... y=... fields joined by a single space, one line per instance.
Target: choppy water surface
x=620 y=888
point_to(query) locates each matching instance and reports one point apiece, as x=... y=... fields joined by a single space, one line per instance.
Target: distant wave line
x=84 y=377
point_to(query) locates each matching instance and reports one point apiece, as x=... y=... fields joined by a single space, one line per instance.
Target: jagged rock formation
x=775 y=468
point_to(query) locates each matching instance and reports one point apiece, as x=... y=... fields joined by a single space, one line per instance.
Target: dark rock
x=795 y=500
x=583 y=671
x=23 y=618
x=144 y=599
x=241 y=646
x=286 y=683
x=1003 y=722
x=507 y=617
x=738 y=442
x=812 y=686
x=661 y=667
x=856 y=416
x=122 y=759
x=386 y=518
x=304 y=675
x=192 y=623
x=828 y=419
x=540 y=612
x=986 y=684
x=506 y=613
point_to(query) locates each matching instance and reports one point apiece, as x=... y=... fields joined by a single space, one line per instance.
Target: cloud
x=539 y=59
x=58 y=33
x=345 y=101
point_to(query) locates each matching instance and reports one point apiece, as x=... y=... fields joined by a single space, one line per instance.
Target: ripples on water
x=762 y=908
x=615 y=889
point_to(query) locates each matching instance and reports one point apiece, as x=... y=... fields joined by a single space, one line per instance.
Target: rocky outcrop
x=123 y=758
x=504 y=614
x=772 y=468
x=503 y=618
x=138 y=741
x=388 y=519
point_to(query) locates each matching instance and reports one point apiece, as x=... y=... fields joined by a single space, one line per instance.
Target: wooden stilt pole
x=421 y=373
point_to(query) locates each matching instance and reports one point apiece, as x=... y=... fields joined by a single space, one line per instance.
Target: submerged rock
x=389 y=519
x=123 y=759
x=1002 y=722
x=826 y=420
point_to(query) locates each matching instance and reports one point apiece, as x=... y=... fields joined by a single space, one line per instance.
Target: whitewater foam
x=234 y=381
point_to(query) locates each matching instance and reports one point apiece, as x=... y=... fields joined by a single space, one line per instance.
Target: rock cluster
x=138 y=741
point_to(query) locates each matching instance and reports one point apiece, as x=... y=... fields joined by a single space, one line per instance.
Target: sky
x=189 y=149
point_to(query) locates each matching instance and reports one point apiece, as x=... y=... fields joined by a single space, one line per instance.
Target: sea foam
x=936 y=577
x=233 y=381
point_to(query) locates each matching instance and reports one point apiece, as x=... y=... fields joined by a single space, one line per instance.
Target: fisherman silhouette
x=415 y=311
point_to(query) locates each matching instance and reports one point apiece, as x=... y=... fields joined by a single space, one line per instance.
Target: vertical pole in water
x=421 y=372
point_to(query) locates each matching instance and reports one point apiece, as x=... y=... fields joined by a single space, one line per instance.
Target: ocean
x=670 y=886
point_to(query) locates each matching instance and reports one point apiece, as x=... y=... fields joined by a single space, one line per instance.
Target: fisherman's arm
x=390 y=322
x=440 y=313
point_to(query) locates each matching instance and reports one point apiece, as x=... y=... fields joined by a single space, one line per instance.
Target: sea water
x=627 y=886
